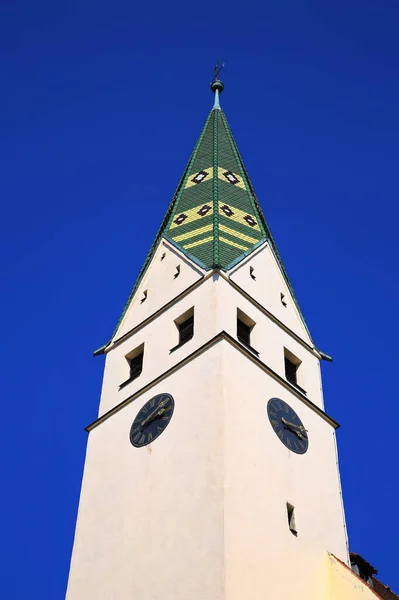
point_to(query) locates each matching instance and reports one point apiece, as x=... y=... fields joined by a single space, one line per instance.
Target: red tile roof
x=383 y=590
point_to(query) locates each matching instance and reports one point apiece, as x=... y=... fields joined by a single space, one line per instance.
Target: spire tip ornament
x=217 y=86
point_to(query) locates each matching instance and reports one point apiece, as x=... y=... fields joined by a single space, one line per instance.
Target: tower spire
x=214 y=216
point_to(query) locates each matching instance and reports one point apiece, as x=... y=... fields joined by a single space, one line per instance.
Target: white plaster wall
x=263 y=558
x=201 y=513
x=159 y=337
x=215 y=305
x=267 y=287
x=150 y=523
x=161 y=285
x=269 y=340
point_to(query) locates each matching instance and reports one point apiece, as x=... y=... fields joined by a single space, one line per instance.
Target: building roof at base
x=367 y=573
x=383 y=590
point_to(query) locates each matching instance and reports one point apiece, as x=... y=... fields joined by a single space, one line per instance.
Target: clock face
x=287 y=425
x=151 y=420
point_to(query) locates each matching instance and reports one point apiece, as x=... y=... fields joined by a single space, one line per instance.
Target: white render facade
x=201 y=512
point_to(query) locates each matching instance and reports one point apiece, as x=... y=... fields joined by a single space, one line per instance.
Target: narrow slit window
x=291 y=519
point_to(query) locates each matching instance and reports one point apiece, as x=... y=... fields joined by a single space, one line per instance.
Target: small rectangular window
x=291 y=518
x=243 y=333
x=292 y=366
x=186 y=330
x=245 y=326
x=290 y=371
x=135 y=362
x=136 y=365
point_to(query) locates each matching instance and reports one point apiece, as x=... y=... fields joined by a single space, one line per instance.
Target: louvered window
x=291 y=371
x=186 y=330
x=136 y=365
x=243 y=332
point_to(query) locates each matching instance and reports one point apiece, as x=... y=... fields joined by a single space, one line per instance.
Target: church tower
x=211 y=471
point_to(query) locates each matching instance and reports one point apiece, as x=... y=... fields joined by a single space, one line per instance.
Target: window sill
x=249 y=347
x=179 y=345
x=122 y=385
x=298 y=387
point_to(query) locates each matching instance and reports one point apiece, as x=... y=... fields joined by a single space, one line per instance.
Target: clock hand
x=158 y=412
x=290 y=427
x=301 y=427
x=154 y=416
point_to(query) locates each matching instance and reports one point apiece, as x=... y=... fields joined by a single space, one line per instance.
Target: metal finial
x=216 y=70
x=217 y=86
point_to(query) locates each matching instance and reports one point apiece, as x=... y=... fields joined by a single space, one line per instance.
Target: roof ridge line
x=215 y=190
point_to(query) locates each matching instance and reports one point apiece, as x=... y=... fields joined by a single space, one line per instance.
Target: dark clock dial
x=287 y=425
x=151 y=420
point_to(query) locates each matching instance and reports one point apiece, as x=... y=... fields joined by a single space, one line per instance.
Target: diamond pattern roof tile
x=215 y=218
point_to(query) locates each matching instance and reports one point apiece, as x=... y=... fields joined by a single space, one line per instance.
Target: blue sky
x=100 y=106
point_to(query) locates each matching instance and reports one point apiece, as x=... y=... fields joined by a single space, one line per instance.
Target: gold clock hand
x=290 y=427
x=154 y=416
x=159 y=411
x=301 y=427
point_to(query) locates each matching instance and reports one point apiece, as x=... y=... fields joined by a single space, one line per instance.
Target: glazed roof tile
x=215 y=219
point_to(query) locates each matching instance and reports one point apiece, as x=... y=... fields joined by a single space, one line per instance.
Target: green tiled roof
x=214 y=217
